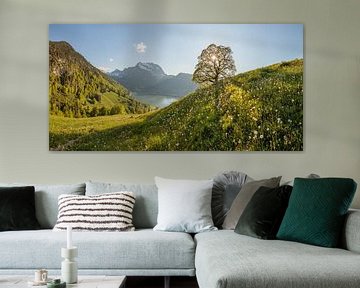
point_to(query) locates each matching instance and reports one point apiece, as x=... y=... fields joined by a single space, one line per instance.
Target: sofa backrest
x=146 y=203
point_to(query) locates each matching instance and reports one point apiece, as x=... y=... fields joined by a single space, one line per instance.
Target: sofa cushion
x=263 y=215
x=225 y=259
x=350 y=239
x=142 y=249
x=225 y=189
x=17 y=208
x=317 y=209
x=105 y=212
x=146 y=205
x=243 y=198
x=184 y=205
x=46 y=200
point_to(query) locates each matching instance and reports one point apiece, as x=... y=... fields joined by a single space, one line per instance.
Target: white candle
x=69 y=239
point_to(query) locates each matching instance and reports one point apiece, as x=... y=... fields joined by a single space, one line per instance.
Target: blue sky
x=175 y=47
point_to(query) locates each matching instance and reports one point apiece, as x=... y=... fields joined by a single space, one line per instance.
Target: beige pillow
x=243 y=198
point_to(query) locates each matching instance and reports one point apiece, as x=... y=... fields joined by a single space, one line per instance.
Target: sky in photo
x=175 y=47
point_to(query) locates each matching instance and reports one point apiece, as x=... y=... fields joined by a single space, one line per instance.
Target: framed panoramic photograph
x=176 y=87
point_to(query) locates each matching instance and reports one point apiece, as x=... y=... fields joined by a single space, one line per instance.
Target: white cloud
x=104 y=69
x=111 y=60
x=140 y=47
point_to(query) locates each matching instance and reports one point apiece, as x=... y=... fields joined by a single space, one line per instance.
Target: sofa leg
x=167 y=282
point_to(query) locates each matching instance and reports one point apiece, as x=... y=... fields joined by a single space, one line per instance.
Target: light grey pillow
x=243 y=198
x=146 y=205
x=310 y=176
x=226 y=187
x=184 y=205
x=46 y=200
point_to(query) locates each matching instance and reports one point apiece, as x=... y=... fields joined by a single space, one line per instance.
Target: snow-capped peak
x=151 y=67
x=116 y=73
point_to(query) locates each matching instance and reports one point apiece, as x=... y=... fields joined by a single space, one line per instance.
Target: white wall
x=332 y=91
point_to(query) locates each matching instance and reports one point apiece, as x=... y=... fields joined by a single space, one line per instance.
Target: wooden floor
x=158 y=282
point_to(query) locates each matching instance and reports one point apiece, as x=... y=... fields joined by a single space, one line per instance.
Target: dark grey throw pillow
x=225 y=189
x=243 y=198
x=263 y=214
x=17 y=208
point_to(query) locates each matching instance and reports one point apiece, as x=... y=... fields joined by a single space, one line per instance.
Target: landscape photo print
x=176 y=87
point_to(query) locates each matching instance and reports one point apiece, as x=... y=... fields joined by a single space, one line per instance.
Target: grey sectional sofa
x=219 y=259
x=226 y=259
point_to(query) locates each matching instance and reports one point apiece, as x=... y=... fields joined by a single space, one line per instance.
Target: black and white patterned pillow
x=105 y=212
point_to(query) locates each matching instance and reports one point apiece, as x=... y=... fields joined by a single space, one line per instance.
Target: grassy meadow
x=259 y=110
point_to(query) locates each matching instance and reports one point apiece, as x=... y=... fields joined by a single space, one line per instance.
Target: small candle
x=69 y=237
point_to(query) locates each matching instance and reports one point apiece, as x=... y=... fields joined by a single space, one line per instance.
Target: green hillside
x=78 y=89
x=260 y=110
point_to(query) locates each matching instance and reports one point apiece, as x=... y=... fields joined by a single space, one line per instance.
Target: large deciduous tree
x=214 y=64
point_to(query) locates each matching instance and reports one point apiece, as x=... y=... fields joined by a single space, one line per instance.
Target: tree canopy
x=214 y=64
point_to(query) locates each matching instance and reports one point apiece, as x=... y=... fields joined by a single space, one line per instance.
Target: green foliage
x=215 y=63
x=77 y=89
x=260 y=110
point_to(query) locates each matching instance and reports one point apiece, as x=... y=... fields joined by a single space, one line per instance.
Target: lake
x=155 y=100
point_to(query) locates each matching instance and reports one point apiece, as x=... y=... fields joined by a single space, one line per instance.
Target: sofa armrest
x=351 y=233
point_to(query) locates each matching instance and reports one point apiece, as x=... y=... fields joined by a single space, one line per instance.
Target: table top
x=84 y=281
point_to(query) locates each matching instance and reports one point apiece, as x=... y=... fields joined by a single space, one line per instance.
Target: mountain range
x=150 y=78
x=78 y=89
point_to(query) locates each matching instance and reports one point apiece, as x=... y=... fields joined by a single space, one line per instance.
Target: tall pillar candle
x=69 y=237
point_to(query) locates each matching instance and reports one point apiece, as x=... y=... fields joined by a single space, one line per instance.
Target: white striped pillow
x=105 y=212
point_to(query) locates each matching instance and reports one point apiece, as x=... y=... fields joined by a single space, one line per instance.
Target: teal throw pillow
x=316 y=211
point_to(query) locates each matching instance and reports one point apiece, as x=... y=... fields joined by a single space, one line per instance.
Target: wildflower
x=255 y=132
x=261 y=136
